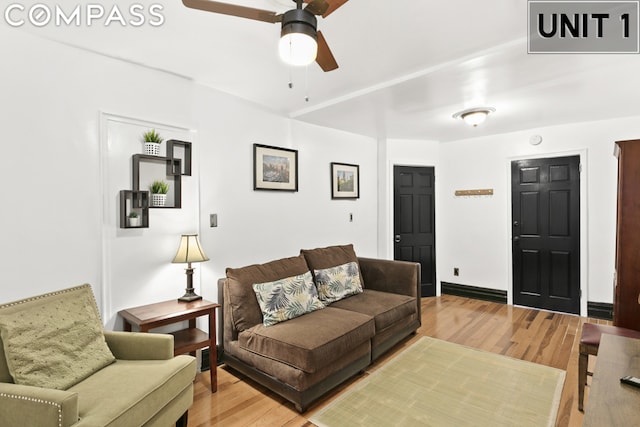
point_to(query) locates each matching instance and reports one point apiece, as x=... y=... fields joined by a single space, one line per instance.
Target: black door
x=546 y=233
x=414 y=221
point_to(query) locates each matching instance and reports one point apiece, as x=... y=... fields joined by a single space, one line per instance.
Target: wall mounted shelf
x=175 y=168
x=172 y=144
x=134 y=201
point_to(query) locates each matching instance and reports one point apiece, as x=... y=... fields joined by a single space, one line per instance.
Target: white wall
x=259 y=226
x=54 y=213
x=136 y=262
x=63 y=173
x=52 y=216
x=474 y=235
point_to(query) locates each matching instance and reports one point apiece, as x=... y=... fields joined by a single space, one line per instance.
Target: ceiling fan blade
x=333 y=5
x=233 y=10
x=317 y=7
x=325 y=58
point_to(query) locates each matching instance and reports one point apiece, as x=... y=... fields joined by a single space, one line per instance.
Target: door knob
x=516 y=223
x=397 y=238
x=516 y=238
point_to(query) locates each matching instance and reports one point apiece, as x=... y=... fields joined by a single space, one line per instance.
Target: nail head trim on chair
x=31 y=399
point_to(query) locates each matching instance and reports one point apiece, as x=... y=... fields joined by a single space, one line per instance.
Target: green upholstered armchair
x=55 y=373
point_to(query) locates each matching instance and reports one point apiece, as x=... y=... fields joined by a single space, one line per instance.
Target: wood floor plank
x=537 y=336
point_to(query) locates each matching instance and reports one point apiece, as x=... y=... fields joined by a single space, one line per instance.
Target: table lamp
x=189 y=251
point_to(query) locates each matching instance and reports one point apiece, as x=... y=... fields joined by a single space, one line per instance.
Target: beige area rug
x=437 y=383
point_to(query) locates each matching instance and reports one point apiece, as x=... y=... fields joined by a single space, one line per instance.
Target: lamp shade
x=298 y=39
x=190 y=250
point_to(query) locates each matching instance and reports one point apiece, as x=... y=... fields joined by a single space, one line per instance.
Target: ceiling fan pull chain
x=306 y=83
x=290 y=78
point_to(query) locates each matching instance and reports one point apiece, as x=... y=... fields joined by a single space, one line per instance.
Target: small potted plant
x=134 y=219
x=159 y=190
x=152 y=141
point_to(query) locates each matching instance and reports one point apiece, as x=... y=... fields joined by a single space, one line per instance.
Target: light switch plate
x=213 y=220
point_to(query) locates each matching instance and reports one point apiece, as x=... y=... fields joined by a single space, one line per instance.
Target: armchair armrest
x=398 y=277
x=139 y=346
x=22 y=405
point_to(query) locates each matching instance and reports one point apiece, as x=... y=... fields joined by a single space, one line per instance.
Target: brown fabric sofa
x=303 y=358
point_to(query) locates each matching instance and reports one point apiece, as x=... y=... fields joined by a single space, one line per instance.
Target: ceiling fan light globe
x=298 y=38
x=298 y=49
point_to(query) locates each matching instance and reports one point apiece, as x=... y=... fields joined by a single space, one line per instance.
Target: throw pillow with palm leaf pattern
x=287 y=298
x=336 y=283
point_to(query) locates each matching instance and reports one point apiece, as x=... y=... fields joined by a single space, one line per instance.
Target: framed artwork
x=345 y=181
x=275 y=168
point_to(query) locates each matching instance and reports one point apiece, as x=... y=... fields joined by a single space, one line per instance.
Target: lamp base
x=189 y=296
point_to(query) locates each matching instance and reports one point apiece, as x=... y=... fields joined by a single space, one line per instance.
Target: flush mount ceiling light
x=298 y=38
x=474 y=116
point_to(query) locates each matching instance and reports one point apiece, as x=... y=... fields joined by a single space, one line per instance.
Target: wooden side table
x=610 y=402
x=188 y=340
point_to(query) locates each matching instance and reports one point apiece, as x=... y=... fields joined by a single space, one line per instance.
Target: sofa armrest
x=22 y=405
x=398 y=277
x=139 y=345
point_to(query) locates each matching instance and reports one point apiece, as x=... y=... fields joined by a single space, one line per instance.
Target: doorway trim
x=389 y=232
x=584 y=224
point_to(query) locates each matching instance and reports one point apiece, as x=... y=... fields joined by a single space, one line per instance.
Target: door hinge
x=579 y=167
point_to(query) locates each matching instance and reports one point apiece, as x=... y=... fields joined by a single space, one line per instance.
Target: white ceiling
x=405 y=66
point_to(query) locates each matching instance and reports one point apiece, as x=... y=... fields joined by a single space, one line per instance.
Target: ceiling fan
x=300 y=42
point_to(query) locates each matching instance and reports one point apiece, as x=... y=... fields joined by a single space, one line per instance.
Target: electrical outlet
x=456 y=271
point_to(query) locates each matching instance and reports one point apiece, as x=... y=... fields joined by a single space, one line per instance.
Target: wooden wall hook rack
x=483 y=192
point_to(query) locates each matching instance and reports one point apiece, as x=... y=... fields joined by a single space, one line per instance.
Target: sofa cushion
x=241 y=297
x=332 y=256
x=312 y=341
x=358 y=356
x=386 y=308
x=129 y=392
x=287 y=298
x=338 y=282
x=54 y=340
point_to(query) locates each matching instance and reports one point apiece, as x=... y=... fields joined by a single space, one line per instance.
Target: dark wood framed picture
x=275 y=168
x=345 y=181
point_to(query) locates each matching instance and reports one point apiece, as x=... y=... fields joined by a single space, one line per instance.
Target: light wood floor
x=537 y=336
